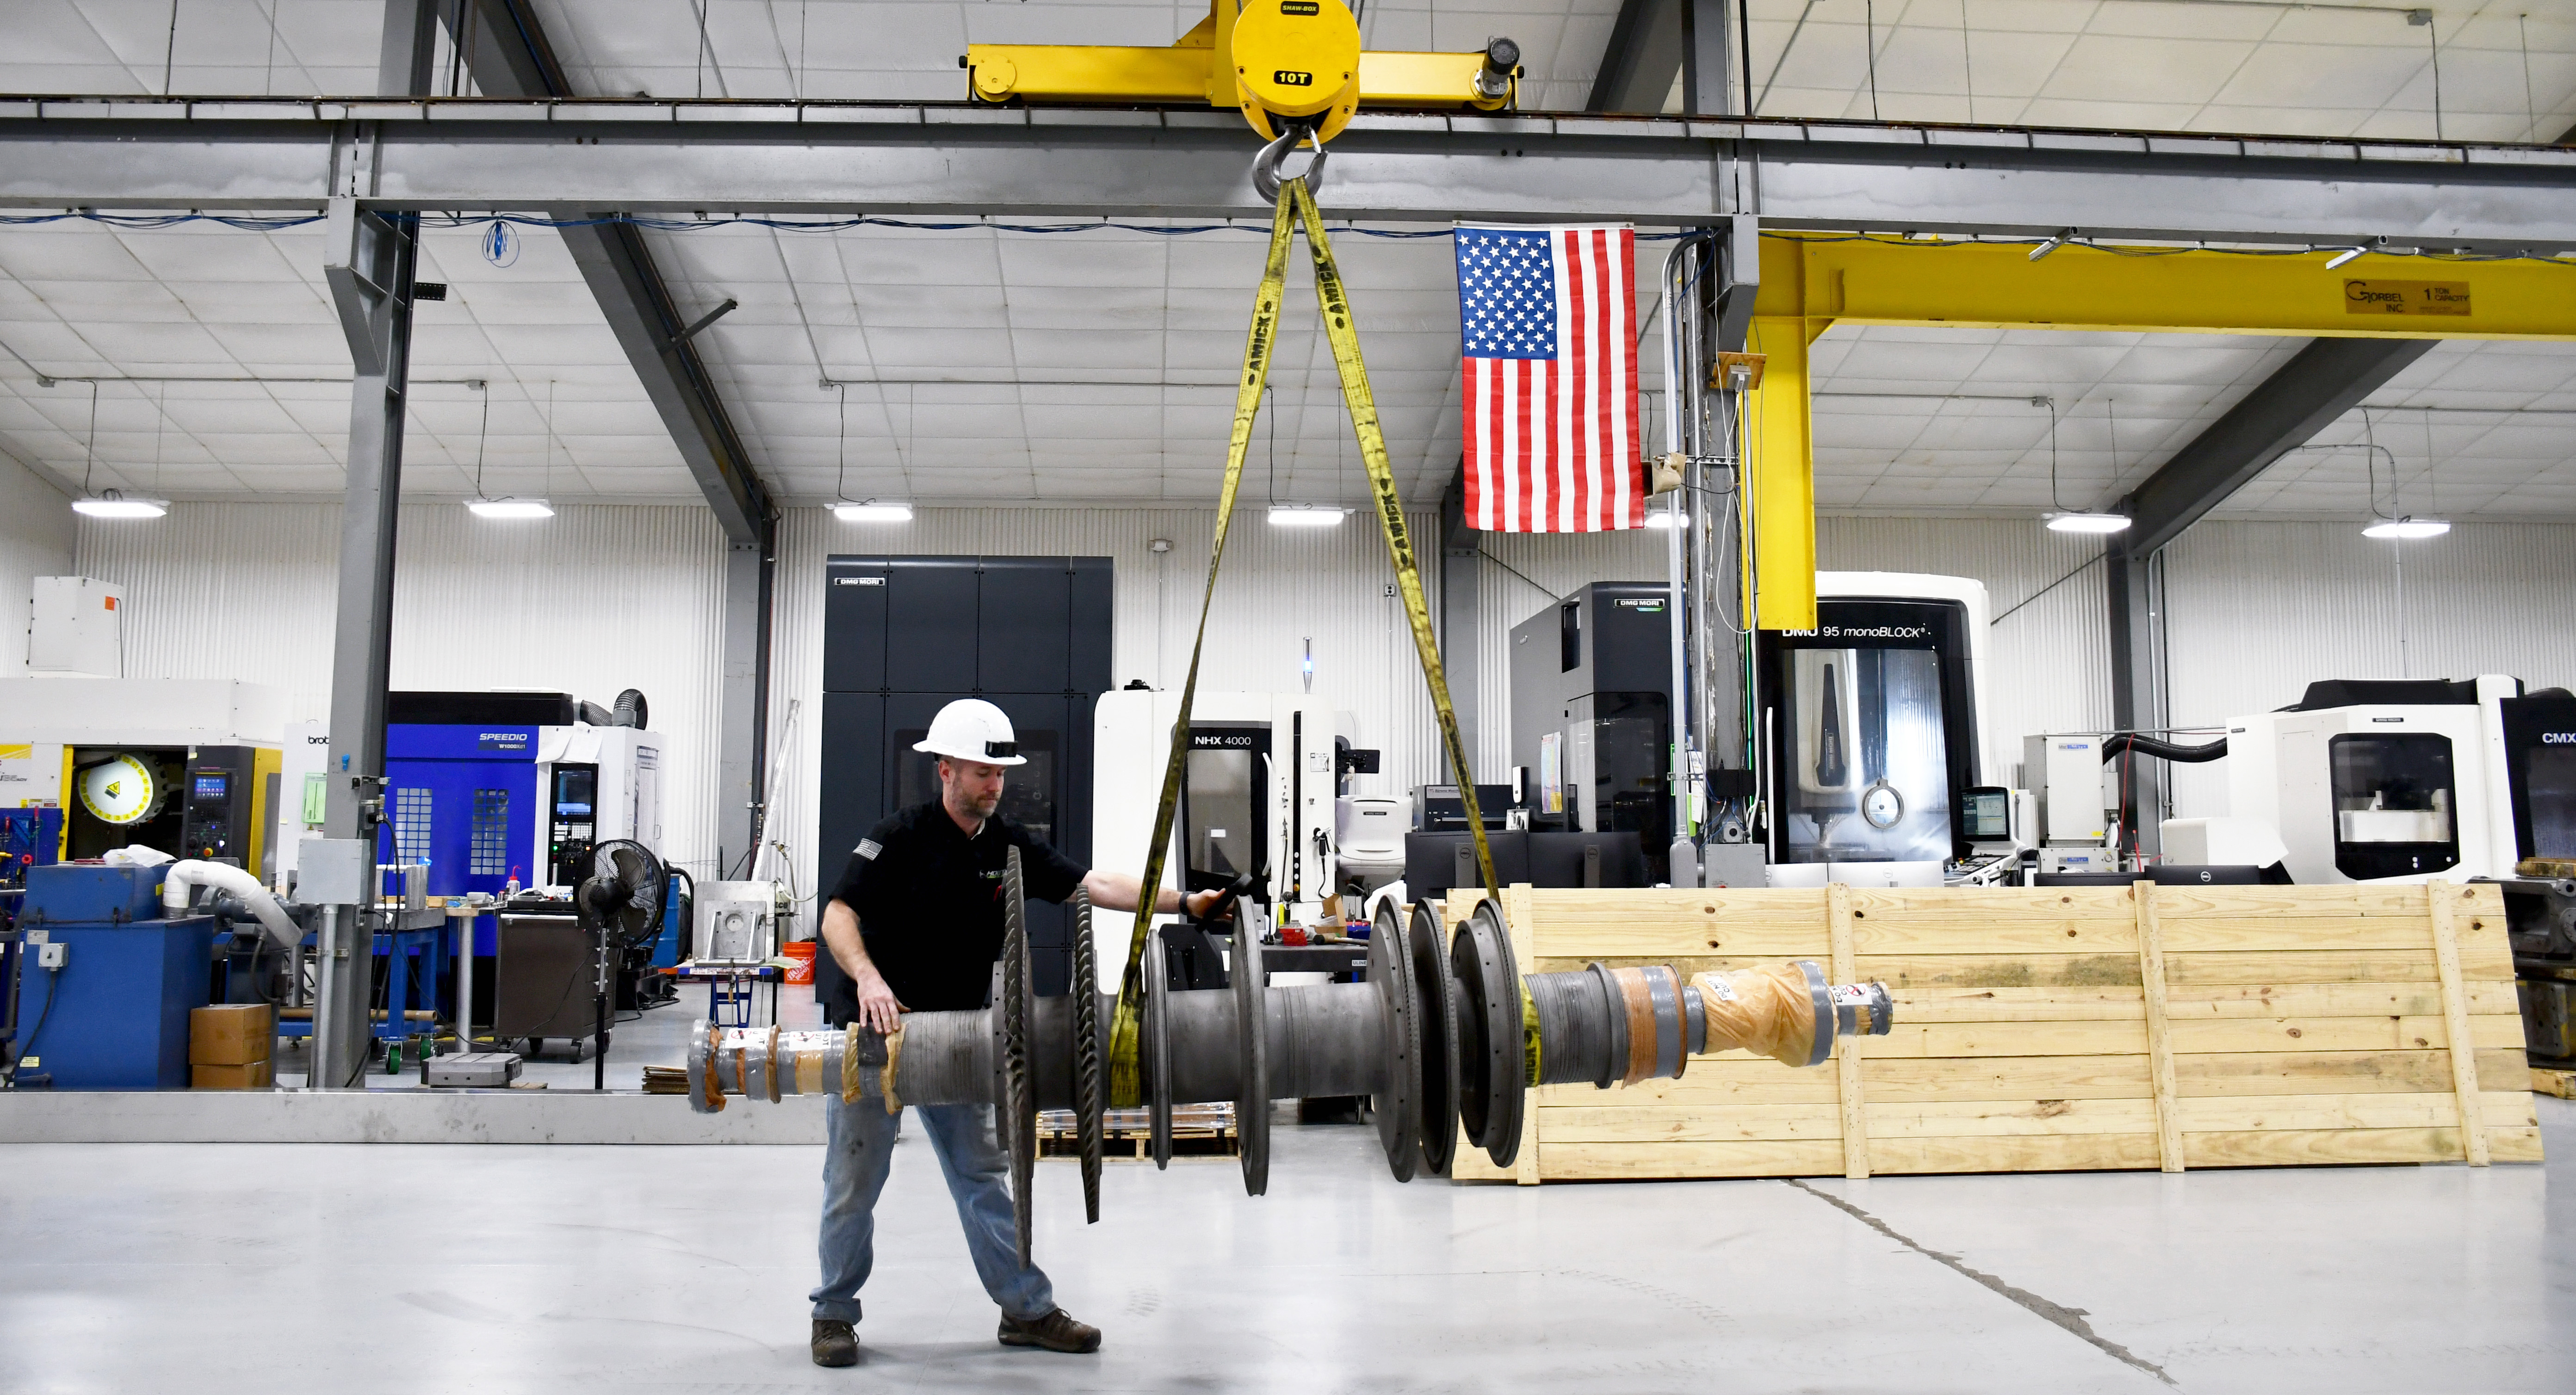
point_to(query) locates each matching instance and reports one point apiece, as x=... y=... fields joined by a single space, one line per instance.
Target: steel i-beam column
x=1459 y=564
x=369 y=261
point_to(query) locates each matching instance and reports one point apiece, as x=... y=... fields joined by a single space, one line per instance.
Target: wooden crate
x=2044 y=1029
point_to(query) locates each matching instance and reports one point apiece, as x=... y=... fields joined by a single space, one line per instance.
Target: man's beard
x=983 y=808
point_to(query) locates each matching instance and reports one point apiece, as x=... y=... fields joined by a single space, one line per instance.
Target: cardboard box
x=231 y=1034
x=253 y=1076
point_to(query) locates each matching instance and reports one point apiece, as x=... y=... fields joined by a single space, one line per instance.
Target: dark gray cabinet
x=904 y=636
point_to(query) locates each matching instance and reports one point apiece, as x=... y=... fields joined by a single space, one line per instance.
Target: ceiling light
x=510 y=508
x=1306 y=516
x=2407 y=528
x=2080 y=522
x=872 y=512
x=1662 y=518
x=2343 y=257
x=113 y=504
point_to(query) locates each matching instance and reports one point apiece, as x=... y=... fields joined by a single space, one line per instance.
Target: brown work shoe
x=836 y=1343
x=1057 y=1331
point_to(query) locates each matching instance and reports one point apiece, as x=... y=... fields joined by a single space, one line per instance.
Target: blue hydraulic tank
x=114 y=1015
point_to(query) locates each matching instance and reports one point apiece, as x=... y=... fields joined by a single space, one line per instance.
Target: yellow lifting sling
x=1295 y=204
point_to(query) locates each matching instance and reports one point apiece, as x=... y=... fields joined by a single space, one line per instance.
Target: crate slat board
x=2050 y=1029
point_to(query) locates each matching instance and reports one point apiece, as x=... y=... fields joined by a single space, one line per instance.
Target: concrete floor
x=214 y=1268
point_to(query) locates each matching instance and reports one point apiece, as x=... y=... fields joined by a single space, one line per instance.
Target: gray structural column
x=1651 y=42
x=2318 y=385
x=368 y=262
x=509 y=56
x=1460 y=562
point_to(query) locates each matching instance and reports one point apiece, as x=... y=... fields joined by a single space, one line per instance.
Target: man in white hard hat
x=916 y=925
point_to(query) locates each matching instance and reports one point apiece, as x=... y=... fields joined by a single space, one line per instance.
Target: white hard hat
x=972 y=729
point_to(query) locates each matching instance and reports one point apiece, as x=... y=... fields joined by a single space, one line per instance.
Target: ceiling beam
x=1643 y=57
x=2322 y=382
x=509 y=56
x=683 y=158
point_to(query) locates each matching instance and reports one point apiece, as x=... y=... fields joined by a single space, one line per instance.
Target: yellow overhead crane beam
x=1810 y=283
x=1277 y=61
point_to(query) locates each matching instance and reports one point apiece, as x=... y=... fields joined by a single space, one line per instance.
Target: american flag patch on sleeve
x=868 y=849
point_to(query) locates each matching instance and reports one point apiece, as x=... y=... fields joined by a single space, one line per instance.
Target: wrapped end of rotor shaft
x=1788 y=1012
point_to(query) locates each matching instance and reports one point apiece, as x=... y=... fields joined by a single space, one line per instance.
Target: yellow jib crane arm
x=1279 y=62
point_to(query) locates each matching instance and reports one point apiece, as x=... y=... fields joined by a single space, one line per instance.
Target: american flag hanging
x=1548 y=327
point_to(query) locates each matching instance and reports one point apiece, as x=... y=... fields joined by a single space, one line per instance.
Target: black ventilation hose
x=630 y=710
x=2128 y=741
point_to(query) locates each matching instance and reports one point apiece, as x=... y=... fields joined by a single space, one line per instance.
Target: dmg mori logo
x=1290 y=77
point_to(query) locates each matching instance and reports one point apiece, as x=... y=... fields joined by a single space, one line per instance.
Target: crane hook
x=1265 y=166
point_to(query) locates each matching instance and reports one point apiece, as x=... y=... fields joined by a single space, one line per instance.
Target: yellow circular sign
x=122 y=791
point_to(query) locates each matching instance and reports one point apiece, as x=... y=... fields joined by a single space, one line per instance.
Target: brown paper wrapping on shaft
x=1768 y=1011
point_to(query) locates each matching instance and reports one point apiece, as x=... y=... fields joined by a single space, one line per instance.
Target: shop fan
x=621 y=902
x=622 y=896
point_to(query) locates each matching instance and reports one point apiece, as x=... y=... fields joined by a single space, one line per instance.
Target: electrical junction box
x=2066 y=773
x=77 y=629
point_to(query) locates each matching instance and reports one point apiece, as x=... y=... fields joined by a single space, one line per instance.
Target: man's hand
x=1199 y=903
x=879 y=1011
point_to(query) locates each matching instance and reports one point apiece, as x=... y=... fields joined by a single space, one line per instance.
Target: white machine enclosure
x=77 y=628
x=1802 y=783
x=627 y=799
x=2282 y=773
x=1264 y=754
x=2064 y=769
x=303 y=756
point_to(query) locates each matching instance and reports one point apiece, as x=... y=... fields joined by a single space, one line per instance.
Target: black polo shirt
x=929 y=902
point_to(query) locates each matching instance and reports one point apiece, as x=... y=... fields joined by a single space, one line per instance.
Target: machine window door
x=2550 y=788
x=1866 y=770
x=2395 y=806
x=1028 y=791
x=1222 y=788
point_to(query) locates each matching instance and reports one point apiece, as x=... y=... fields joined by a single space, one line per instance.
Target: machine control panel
x=572 y=822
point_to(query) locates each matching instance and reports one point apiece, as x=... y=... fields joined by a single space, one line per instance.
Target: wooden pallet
x=2044 y=1029
x=1198 y=1131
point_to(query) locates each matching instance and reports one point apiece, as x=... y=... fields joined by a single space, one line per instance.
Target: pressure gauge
x=1882 y=805
x=121 y=790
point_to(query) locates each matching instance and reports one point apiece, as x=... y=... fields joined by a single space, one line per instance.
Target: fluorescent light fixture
x=873 y=512
x=2343 y=257
x=510 y=508
x=1306 y=516
x=2052 y=244
x=2407 y=528
x=112 y=504
x=2088 y=522
x=1662 y=518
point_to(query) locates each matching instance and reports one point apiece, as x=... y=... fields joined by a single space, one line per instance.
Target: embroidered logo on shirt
x=868 y=849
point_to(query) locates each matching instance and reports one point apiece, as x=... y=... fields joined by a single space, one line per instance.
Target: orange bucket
x=801 y=955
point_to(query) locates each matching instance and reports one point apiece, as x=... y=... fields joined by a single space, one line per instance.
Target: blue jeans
x=855 y=1158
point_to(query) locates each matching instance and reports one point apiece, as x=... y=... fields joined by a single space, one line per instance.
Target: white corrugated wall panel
x=1279 y=587
x=595 y=599
x=2256 y=611
x=35 y=540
